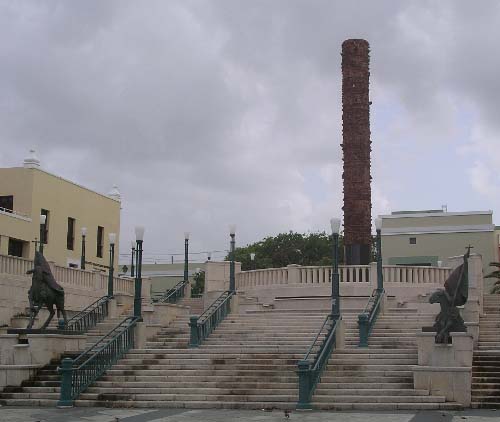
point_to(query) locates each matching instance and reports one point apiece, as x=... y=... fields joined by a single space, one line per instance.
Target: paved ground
x=11 y=414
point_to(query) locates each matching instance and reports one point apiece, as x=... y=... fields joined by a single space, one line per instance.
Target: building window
x=70 y=237
x=45 y=227
x=100 y=238
x=16 y=247
x=7 y=203
x=413 y=240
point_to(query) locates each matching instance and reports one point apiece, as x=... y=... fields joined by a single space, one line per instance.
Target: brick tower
x=356 y=148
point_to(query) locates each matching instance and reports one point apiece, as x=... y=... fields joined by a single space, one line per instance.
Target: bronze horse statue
x=455 y=293
x=44 y=291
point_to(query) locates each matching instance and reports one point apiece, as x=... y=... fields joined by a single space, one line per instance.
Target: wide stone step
x=331 y=375
x=197 y=377
x=487 y=399
x=187 y=360
x=193 y=353
x=229 y=397
x=201 y=372
x=378 y=384
x=334 y=360
x=366 y=380
x=215 y=367
x=188 y=391
x=198 y=382
x=408 y=398
x=386 y=406
x=323 y=394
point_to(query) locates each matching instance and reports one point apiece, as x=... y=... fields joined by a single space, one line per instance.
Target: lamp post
x=112 y=240
x=232 y=283
x=132 y=244
x=43 y=220
x=252 y=258
x=380 y=275
x=186 y=258
x=139 y=236
x=82 y=259
x=335 y=224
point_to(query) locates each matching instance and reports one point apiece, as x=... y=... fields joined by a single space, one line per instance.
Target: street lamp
x=380 y=275
x=132 y=244
x=335 y=224
x=82 y=259
x=112 y=240
x=43 y=220
x=139 y=237
x=186 y=258
x=252 y=258
x=232 y=283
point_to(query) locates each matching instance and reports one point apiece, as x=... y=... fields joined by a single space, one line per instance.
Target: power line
x=177 y=254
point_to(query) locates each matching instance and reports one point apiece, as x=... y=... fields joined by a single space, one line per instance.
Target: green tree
x=495 y=274
x=289 y=248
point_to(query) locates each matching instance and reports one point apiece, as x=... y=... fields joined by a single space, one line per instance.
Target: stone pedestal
x=19 y=360
x=140 y=335
x=445 y=369
x=340 y=335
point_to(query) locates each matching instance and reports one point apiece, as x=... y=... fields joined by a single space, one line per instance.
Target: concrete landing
x=95 y=414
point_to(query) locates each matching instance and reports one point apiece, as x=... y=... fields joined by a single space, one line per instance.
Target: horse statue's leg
x=50 y=308
x=60 y=309
x=33 y=313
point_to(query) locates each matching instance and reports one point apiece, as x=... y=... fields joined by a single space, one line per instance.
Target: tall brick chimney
x=356 y=148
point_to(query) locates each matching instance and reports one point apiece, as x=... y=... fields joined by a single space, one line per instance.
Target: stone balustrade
x=295 y=274
x=415 y=274
x=14 y=265
x=82 y=287
x=74 y=277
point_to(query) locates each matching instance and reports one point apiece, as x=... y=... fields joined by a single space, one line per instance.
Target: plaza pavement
x=11 y=414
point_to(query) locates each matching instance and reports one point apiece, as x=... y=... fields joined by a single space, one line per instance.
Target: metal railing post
x=363 y=329
x=304 y=373
x=66 y=371
x=194 y=339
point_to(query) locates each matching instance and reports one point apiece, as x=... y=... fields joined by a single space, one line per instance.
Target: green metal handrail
x=174 y=294
x=88 y=317
x=310 y=372
x=203 y=325
x=366 y=319
x=78 y=374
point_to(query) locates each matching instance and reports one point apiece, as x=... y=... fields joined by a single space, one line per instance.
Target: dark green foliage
x=289 y=248
x=198 y=285
x=495 y=274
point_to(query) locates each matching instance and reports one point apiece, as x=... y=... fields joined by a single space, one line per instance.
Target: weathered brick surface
x=356 y=144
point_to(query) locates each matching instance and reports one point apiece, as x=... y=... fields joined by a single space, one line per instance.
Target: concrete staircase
x=378 y=377
x=486 y=358
x=43 y=389
x=248 y=362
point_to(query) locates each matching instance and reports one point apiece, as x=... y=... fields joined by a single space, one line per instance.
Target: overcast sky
x=206 y=113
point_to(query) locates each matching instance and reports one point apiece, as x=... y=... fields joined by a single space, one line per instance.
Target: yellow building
x=429 y=237
x=29 y=191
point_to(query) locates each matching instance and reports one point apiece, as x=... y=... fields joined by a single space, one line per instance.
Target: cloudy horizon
x=206 y=113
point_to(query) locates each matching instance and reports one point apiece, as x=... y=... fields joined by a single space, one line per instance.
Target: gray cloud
x=211 y=112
